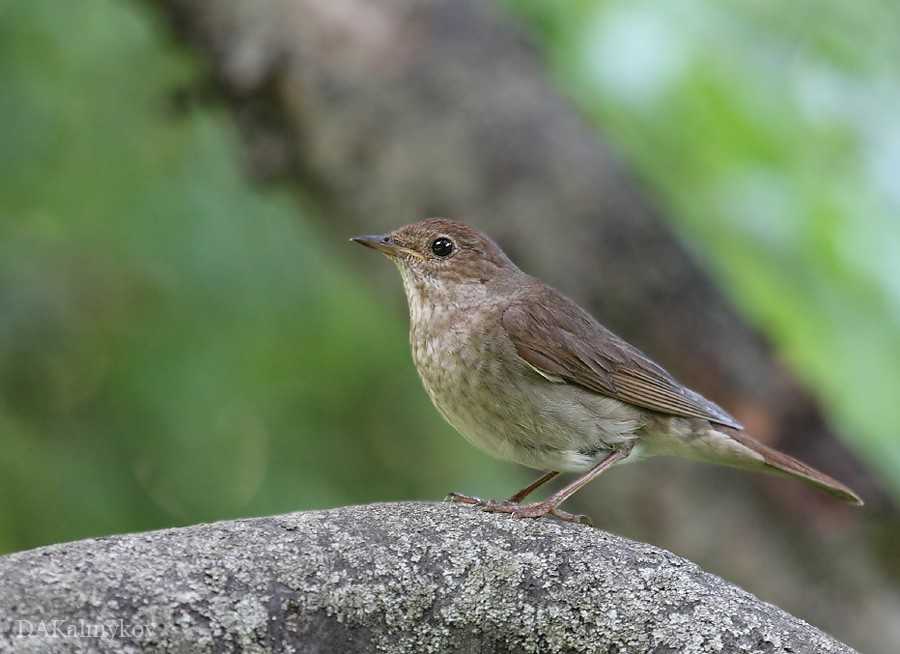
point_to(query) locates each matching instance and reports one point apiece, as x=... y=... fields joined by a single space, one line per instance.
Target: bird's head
x=440 y=256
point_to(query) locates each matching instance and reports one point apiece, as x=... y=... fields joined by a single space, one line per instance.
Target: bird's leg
x=533 y=486
x=551 y=504
x=489 y=505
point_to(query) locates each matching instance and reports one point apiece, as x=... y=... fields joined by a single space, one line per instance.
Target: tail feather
x=780 y=463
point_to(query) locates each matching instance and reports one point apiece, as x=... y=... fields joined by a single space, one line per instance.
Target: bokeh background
x=186 y=337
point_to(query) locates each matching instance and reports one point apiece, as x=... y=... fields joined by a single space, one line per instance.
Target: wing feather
x=559 y=339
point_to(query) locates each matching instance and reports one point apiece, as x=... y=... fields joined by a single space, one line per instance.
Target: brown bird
x=526 y=374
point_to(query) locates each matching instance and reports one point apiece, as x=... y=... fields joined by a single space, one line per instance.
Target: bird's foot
x=533 y=510
x=459 y=498
x=497 y=506
x=541 y=509
x=491 y=506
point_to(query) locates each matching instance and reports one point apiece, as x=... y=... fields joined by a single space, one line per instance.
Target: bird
x=527 y=375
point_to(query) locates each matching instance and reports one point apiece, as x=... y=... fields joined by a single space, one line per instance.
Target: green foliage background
x=177 y=345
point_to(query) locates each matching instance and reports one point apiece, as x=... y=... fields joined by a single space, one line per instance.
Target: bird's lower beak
x=381 y=242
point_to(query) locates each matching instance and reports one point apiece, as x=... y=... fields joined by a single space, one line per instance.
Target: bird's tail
x=780 y=463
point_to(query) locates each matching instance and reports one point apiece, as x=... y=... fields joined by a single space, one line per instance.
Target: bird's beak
x=385 y=244
x=381 y=242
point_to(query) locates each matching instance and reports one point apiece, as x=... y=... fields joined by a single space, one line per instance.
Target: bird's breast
x=464 y=370
x=475 y=379
x=453 y=358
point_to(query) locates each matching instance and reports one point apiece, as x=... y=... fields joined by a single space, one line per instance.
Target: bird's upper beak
x=384 y=243
x=380 y=242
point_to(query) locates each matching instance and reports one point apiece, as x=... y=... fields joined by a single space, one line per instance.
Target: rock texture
x=406 y=577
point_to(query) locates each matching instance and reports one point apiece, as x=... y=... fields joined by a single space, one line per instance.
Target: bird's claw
x=541 y=509
x=491 y=506
x=577 y=518
x=459 y=498
x=497 y=506
x=534 y=510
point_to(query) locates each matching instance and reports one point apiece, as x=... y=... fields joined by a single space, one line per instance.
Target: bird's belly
x=523 y=417
x=495 y=430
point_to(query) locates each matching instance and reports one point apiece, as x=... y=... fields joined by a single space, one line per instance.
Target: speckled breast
x=466 y=378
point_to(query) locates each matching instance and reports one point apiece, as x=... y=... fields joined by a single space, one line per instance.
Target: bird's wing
x=560 y=340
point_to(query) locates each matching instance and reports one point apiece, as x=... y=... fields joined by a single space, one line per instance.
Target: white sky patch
x=873 y=246
x=821 y=93
x=869 y=107
x=882 y=158
x=761 y=204
x=635 y=52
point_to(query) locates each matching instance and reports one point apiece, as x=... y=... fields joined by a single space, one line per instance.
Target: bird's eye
x=442 y=247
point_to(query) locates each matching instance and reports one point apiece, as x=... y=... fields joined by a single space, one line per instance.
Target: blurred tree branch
x=393 y=577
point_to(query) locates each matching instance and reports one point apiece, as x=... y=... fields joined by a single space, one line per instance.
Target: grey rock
x=403 y=577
